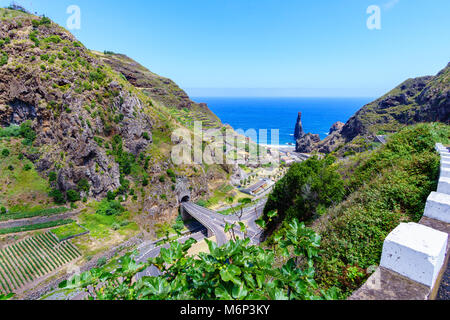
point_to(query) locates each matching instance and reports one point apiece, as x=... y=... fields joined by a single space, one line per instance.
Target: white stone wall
x=416 y=251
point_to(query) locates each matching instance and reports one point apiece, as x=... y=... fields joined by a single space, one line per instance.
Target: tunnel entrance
x=185 y=199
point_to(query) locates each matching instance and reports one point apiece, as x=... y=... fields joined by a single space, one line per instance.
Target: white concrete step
x=444 y=185
x=438 y=206
x=416 y=252
x=445 y=172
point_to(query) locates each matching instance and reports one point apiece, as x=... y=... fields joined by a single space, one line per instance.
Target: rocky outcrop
x=337 y=127
x=307 y=143
x=423 y=99
x=76 y=106
x=333 y=140
x=155 y=86
x=298 y=133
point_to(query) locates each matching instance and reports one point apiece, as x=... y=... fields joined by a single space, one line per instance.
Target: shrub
x=101 y=262
x=58 y=196
x=111 y=195
x=34 y=38
x=53 y=38
x=52 y=176
x=162 y=179
x=73 y=196
x=3 y=58
x=83 y=185
x=146 y=136
x=5 y=153
x=27 y=167
x=109 y=208
x=306 y=187
x=3 y=210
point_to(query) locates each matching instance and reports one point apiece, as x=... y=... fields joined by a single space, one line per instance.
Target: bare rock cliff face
x=72 y=101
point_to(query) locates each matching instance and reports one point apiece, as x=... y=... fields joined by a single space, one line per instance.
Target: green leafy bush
x=83 y=185
x=5 y=152
x=73 y=196
x=385 y=187
x=306 y=187
x=235 y=271
x=3 y=58
x=109 y=208
x=58 y=196
x=27 y=132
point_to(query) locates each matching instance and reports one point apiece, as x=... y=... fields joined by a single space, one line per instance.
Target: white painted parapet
x=416 y=252
x=440 y=147
x=444 y=185
x=445 y=172
x=438 y=207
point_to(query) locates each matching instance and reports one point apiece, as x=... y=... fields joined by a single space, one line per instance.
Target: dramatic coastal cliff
x=424 y=99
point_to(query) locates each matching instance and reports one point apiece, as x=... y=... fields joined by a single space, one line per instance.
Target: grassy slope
x=385 y=187
x=411 y=107
x=20 y=188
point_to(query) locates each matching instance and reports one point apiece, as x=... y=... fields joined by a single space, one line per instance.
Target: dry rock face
x=82 y=109
x=305 y=141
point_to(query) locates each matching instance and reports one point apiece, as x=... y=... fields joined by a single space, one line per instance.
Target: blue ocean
x=318 y=114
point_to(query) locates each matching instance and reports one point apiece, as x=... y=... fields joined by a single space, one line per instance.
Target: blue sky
x=268 y=47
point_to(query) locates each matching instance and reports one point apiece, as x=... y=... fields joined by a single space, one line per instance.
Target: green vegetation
x=25 y=213
x=20 y=183
x=37 y=226
x=308 y=188
x=67 y=231
x=109 y=208
x=32 y=258
x=103 y=218
x=383 y=188
x=3 y=58
x=235 y=271
x=73 y=196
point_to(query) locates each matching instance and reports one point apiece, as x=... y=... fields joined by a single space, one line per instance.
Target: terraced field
x=31 y=259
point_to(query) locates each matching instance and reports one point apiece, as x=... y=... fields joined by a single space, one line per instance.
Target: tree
x=307 y=186
x=58 y=196
x=5 y=153
x=73 y=196
x=244 y=202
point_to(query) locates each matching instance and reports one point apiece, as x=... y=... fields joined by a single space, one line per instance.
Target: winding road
x=212 y=221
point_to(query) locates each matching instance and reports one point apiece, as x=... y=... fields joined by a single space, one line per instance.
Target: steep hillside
x=93 y=124
x=156 y=87
x=424 y=99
